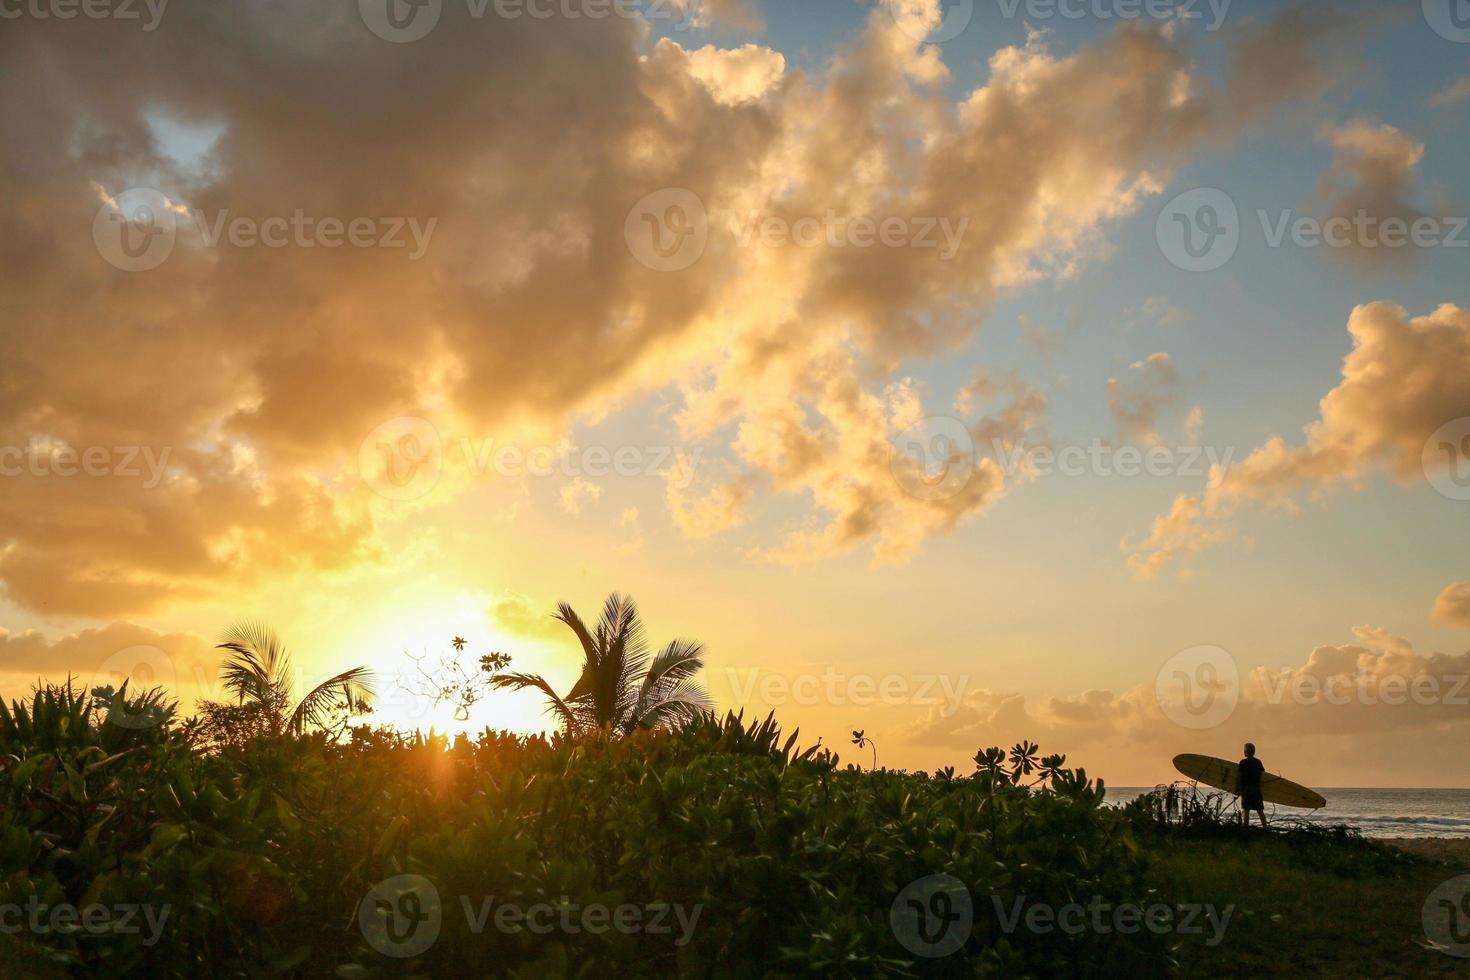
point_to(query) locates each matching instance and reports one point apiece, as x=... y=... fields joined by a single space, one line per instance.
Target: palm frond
x=621 y=687
x=555 y=704
x=346 y=691
x=260 y=669
x=681 y=704
x=568 y=615
x=624 y=659
x=675 y=663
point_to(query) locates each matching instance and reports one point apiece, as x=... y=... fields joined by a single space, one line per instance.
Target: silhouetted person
x=1248 y=785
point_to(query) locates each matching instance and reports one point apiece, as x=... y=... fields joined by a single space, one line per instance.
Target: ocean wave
x=1442 y=821
x=1374 y=813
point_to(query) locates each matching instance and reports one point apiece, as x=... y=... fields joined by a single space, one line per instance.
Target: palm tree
x=621 y=689
x=259 y=674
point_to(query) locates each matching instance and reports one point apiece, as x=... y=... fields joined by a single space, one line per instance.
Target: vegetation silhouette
x=775 y=859
x=259 y=675
x=621 y=689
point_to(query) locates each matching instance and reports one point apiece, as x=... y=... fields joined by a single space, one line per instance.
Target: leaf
x=286 y=815
x=389 y=834
x=165 y=836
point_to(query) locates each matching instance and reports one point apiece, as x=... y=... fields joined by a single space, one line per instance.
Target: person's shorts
x=1252 y=801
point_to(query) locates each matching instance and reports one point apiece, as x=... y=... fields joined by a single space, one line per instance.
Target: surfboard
x=1223 y=775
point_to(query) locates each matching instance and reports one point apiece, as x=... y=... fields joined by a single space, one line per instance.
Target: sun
x=411 y=647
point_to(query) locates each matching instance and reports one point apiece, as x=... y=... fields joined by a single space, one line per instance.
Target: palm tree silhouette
x=621 y=689
x=259 y=675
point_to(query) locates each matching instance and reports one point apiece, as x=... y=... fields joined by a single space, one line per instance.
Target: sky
x=1095 y=373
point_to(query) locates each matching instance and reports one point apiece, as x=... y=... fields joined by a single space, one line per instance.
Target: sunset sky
x=429 y=317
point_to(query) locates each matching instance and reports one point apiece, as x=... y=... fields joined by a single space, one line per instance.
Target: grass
x=1306 y=905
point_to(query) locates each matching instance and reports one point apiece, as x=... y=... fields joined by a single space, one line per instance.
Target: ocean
x=1374 y=812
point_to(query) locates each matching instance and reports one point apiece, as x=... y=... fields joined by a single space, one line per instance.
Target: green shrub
x=779 y=860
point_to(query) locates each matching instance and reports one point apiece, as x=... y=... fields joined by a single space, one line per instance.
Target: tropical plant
x=259 y=675
x=62 y=716
x=860 y=739
x=449 y=682
x=622 y=688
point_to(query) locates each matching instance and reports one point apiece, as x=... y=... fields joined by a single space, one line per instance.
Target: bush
x=759 y=858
